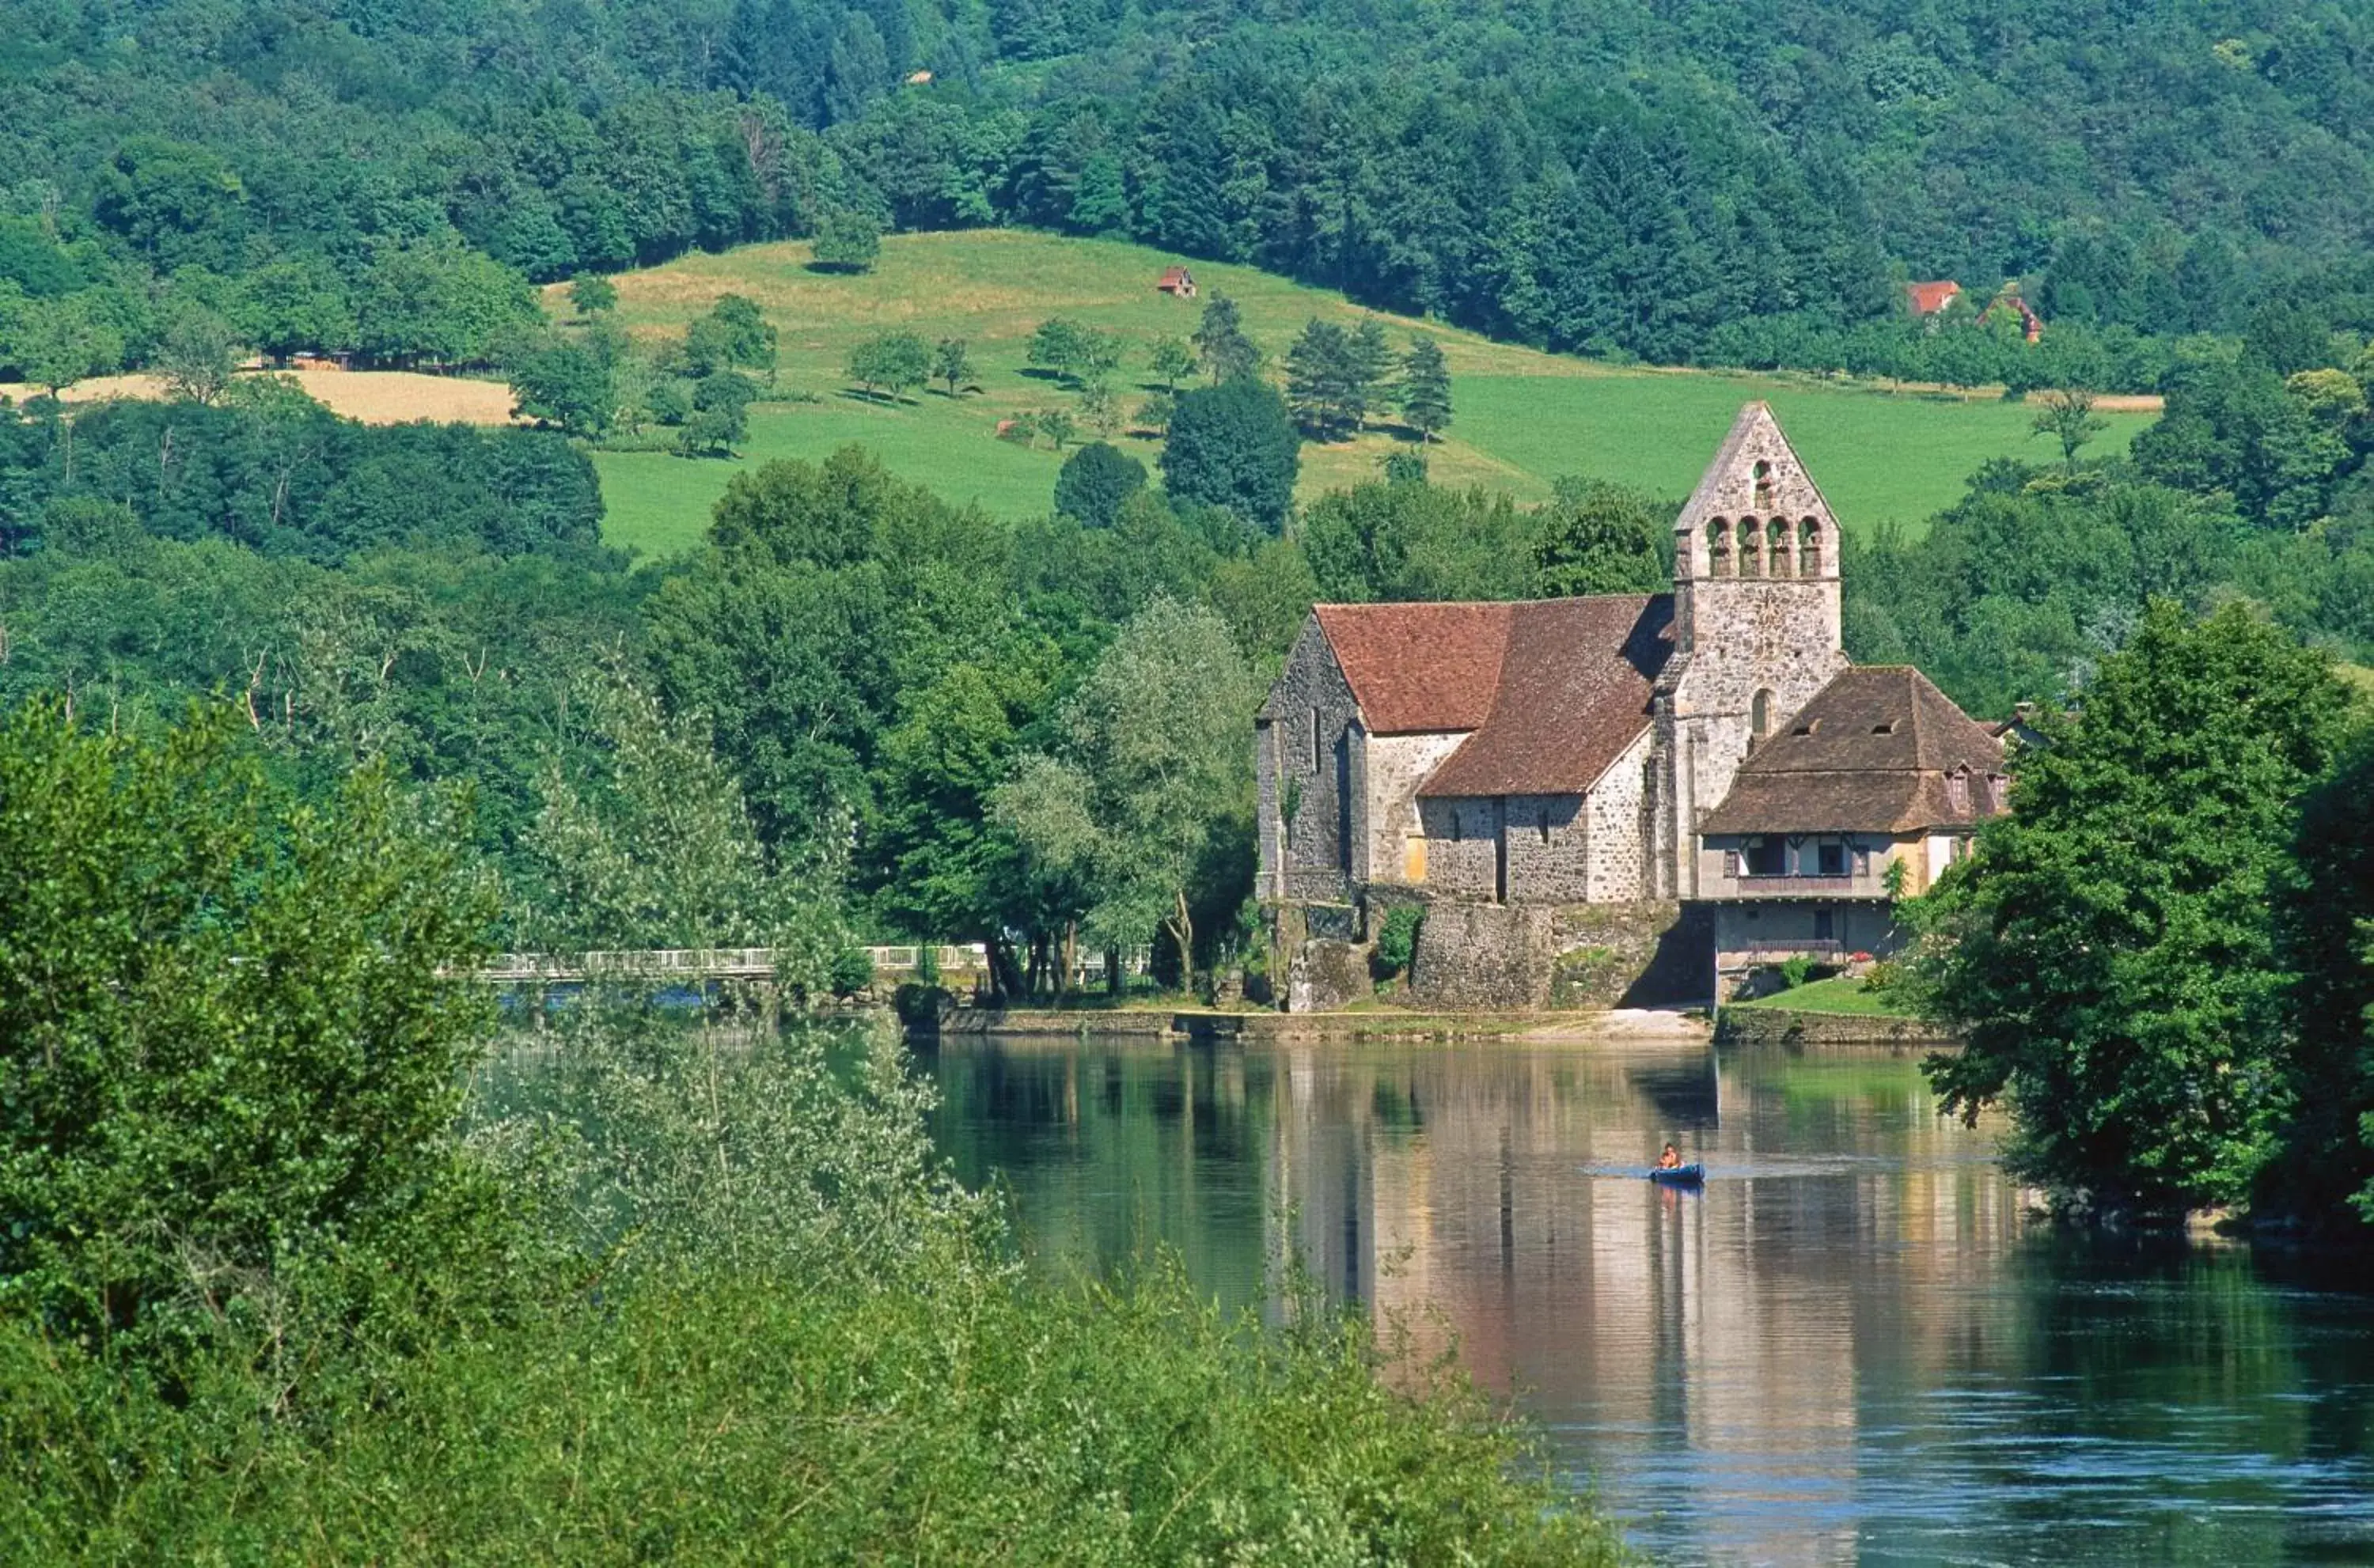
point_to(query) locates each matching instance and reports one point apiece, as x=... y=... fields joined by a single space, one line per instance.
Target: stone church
x=1544 y=776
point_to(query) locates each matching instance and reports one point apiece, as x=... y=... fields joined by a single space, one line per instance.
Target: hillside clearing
x=1522 y=418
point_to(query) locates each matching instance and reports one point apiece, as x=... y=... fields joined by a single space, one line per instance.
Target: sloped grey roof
x=1869 y=753
x=1727 y=487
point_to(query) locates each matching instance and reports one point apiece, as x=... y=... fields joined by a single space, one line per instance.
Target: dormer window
x=1885 y=728
x=1958 y=790
x=1807 y=728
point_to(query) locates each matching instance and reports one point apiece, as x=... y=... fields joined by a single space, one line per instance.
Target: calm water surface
x=1849 y=1348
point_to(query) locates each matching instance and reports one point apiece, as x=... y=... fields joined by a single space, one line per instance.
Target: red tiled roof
x=1418 y=667
x=1928 y=299
x=1573 y=693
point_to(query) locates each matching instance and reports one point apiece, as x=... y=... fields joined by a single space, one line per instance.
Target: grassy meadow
x=1522 y=418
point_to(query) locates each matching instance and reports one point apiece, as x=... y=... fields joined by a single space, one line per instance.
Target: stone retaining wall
x=1487 y=957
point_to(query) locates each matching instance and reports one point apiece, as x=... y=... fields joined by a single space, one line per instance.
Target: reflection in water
x=1848 y=1348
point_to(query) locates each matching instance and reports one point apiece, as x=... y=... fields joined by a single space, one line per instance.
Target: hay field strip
x=372 y=397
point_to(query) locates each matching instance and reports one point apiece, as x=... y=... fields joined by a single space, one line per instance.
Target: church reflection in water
x=1849 y=1335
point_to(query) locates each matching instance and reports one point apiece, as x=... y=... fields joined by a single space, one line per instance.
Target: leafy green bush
x=793 y=1418
x=851 y=971
x=1397 y=940
x=918 y=1003
x=1795 y=972
x=227 y=1059
x=746 y=1313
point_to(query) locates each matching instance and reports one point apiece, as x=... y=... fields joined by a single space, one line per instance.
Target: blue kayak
x=1681 y=1176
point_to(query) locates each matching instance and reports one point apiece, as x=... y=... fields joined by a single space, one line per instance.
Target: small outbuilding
x=1177 y=282
x=1927 y=299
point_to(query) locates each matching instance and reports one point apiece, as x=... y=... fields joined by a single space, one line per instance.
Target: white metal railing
x=705 y=962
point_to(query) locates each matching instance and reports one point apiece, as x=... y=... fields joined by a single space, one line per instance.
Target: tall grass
x=771 y=1330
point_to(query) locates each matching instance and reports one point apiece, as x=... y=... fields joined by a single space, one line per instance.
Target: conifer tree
x=1426 y=388
x=1220 y=338
x=1322 y=381
x=1371 y=366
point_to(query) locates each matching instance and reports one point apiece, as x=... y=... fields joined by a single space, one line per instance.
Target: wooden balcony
x=1845 y=884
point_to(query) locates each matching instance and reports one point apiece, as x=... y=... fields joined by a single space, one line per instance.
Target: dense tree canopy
x=227 y=1047
x=1747 y=183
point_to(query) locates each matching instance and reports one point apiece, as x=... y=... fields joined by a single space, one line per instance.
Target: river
x=1853 y=1345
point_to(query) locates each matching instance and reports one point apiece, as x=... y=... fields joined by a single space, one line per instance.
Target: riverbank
x=1211 y=1024
x=1765 y=1025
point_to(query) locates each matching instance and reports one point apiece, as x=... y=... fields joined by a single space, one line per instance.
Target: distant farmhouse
x=1177 y=282
x=1639 y=798
x=1928 y=300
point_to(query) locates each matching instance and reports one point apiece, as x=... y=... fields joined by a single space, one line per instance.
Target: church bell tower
x=1756 y=628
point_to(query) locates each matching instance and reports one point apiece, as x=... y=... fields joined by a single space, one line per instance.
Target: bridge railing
x=703 y=963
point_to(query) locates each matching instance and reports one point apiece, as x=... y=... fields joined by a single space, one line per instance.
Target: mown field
x=1522 y=418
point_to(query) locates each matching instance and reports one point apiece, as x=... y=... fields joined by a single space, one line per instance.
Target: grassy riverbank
x=1842 y=995
x=1523 y=419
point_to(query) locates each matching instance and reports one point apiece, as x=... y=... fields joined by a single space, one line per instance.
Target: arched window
x=1809 y=547
x=1751 y=547
x=1720 y=559
x=1777 y=538
x=1763 y=482
x=1759 y=716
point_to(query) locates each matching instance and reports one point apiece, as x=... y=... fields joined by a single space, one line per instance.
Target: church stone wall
x=1549 y=848
x=1309 y=852
x=1463 y=849
x=1750 y=637
x=1483 y=957
x=1619 y=843
x=1397 y=764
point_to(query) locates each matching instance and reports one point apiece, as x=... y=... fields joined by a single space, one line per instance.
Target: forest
x=1693 y=180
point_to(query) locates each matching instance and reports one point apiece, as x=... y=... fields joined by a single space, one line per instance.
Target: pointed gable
x=1756 y=472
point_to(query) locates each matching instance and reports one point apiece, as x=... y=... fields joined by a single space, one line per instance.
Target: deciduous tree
x=1094 y=483
x=848 y=241
x=2107 y=954
x=1221 y=342
x=1234 y=445
x=899 y=362
x=952 y=363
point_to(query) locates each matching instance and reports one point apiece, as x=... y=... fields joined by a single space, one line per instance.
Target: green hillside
x=1524 y=417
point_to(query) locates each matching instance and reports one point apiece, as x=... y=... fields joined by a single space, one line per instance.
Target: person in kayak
x=1669 y=1161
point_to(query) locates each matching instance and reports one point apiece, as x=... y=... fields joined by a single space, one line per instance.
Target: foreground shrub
x=727 y=1302
x=229 y=1065
x=763 y=1419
